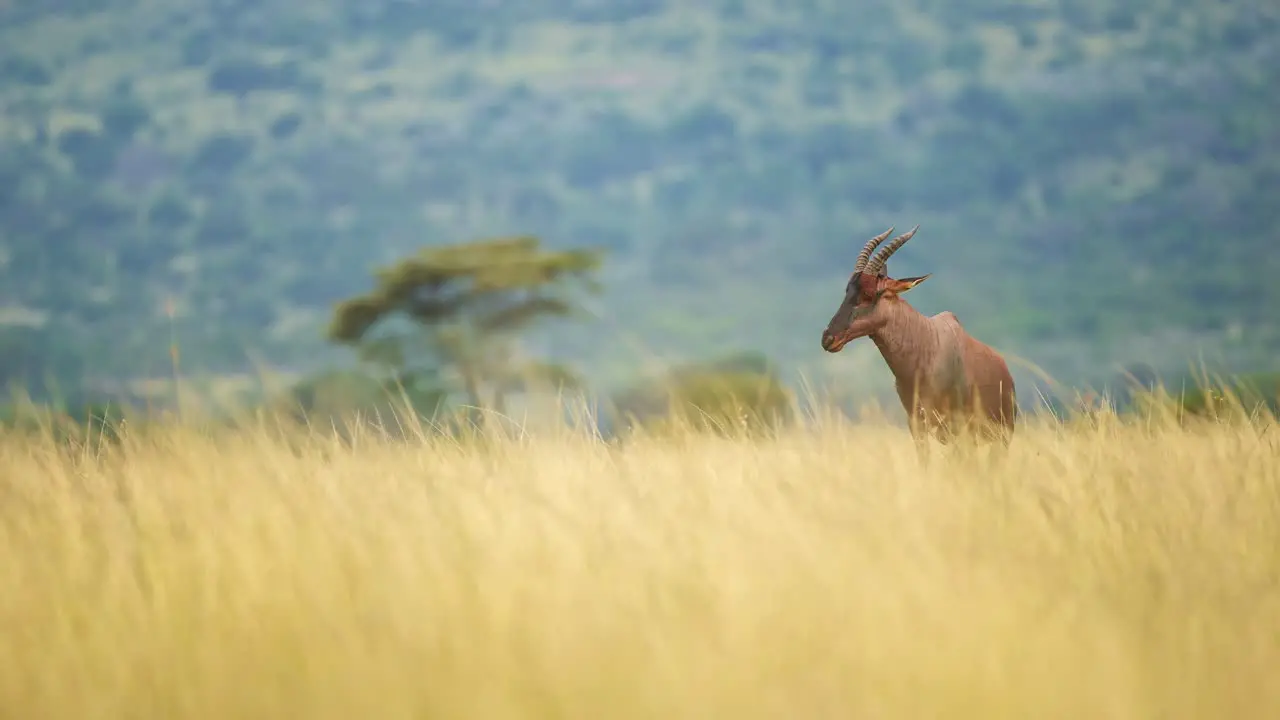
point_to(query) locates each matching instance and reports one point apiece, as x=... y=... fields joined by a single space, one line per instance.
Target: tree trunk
x=471 y=386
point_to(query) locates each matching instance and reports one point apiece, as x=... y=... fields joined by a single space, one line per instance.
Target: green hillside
x=1096 y=180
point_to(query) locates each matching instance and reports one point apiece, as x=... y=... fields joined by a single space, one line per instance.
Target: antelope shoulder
x=947 y=318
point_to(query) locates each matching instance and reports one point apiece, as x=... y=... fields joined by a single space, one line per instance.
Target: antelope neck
x=908 y=342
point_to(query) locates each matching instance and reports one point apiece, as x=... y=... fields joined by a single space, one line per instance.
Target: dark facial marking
x=866 y=293
x=860 y=298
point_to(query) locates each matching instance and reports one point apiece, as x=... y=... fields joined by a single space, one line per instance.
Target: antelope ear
x=902 y=285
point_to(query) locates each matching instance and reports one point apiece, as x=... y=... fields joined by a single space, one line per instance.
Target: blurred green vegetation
x=461 y=309
x=1095 y=179
x=734 y=394
x=1248 y=393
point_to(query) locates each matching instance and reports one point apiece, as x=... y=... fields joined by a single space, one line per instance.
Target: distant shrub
x=77 y=423
x=381 y=58
x=98 y=422
x=740 y=393
x=242 y=76
x=23 y=70
x=821 y=89
x=223 y=226
x=706 y=122
x=1067 y=53
x=123 y=117
x=461 y=35
x=285 y=126
x=336 y=397
x=459 y=84
x=296 y=32
x=380 y=91
x=909 y=62
x=986 y=106
x=97 y=211
x=1250 y=393
x=964 y=53
x=222 y=154
x=38 y=363
x=615 y=11
x=93 y=155
x=535 y=205
x=1198 y=398
x=197 y=48
x=1121 y=19
x=169 y=213
x=1028 y=37
x=11 y=173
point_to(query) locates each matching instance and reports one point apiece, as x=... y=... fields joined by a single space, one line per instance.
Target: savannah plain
x=1112 y=567
x=1096 y=183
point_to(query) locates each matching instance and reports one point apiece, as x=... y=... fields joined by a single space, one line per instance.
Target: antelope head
x=869 y=294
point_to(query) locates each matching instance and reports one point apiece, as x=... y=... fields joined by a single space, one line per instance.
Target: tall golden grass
x=1108 y=568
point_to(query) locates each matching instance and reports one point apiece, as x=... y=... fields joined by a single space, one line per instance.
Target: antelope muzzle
x=831 y=342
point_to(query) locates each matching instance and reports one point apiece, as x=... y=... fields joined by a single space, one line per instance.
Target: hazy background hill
x=1096 y=180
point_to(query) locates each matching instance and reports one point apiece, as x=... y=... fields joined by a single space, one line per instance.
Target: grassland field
x=1109 y=568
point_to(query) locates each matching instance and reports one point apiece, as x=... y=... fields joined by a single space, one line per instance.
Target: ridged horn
x=861 y=262
x=877 y=262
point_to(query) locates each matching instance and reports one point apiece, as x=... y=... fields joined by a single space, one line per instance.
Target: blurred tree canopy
x=465 y=305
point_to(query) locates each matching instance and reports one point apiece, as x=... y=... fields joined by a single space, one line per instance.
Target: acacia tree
x=455 y=310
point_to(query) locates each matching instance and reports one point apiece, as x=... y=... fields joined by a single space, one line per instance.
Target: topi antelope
x=947 y=380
